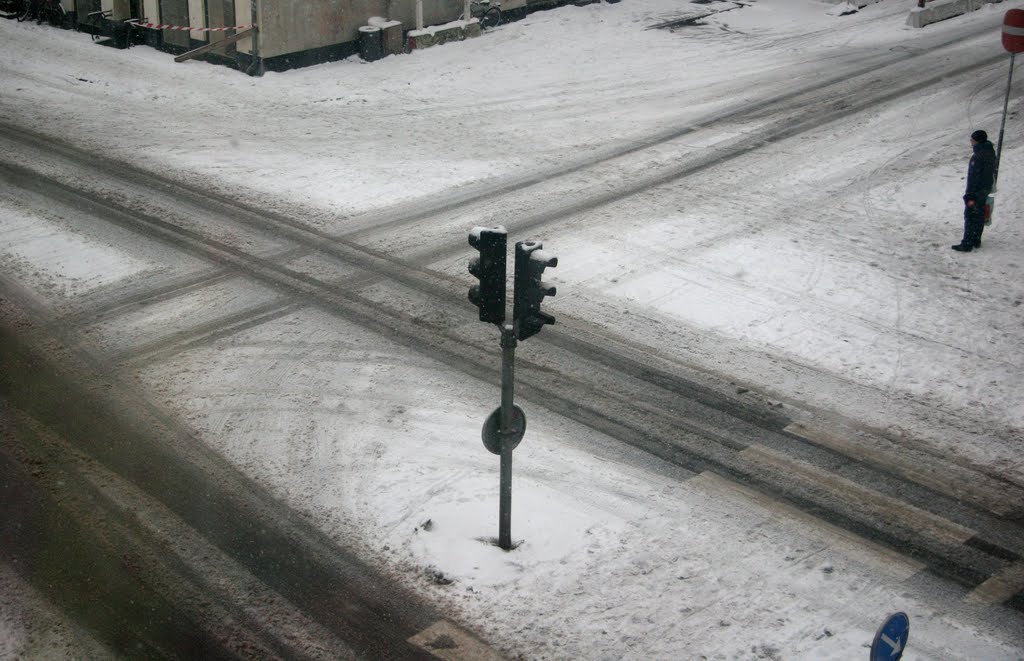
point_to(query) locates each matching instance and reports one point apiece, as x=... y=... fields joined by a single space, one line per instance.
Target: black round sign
x=491 y=435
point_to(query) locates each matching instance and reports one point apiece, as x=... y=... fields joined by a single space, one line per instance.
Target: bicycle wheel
x=30 y=11
x=490 y=18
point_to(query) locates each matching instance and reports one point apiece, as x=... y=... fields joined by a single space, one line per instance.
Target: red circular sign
x=1013 y=31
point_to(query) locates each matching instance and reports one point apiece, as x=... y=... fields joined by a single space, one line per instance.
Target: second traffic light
x=489 y=268
x=530 y=290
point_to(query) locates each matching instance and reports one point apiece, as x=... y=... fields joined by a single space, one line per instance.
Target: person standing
x=980 y=179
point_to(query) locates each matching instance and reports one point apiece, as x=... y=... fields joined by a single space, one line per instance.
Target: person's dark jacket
x=981 y=172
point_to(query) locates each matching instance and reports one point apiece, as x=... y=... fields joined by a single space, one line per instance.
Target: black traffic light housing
x=530 y=290
x=489 y=268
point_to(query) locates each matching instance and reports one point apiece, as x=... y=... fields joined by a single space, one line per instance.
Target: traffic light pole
x=508 y=359
x=506 y=425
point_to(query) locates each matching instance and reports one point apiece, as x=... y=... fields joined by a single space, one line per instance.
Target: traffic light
x=489 y=268
x=530 y=290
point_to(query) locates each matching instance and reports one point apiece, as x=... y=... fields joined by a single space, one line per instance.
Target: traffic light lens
x=489 y=268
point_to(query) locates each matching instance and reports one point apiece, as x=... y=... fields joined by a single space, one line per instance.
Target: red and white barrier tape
x=160 y=26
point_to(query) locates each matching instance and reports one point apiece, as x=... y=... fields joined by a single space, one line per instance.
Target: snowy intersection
x=814 y=270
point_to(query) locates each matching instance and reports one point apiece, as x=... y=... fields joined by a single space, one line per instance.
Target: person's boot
x=962 y=248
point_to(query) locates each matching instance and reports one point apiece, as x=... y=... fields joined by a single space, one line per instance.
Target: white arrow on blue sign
x=891 y=639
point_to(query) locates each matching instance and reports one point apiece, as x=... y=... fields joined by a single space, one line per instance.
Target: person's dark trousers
x=974 y=225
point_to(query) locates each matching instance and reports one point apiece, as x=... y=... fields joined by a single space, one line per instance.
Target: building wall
x=120 y=9
x=175 y=12
x=243 y=16
x=435 y=12
x=221 y=13
x=293 y=27
x=197 y=18
x=285 y=26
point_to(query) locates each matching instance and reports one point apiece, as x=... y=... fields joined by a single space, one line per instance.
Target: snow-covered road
x=812 y=269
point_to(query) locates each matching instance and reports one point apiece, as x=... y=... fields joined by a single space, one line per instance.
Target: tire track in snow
x=391 y=220
x=639 y=409
x=621 y=416
x=348 y=249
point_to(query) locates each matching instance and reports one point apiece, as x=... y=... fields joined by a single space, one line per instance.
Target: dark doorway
x=175 y=12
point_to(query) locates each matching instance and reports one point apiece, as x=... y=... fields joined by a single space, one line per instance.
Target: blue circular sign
x=891 y=639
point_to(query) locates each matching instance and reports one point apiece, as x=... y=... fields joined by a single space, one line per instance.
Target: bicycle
x=51 y=11
x=11 y=8
x=488 y=12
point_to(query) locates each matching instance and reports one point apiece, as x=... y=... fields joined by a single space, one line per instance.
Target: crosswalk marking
x=862 y=501
x=999 y=587
x=942 y=476
x=897 y=565
x=452 y=643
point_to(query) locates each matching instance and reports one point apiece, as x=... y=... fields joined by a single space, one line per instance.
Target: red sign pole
x=1013 y=41
x=1002 y=125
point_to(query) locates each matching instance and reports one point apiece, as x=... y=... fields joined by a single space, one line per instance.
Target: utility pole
x=1013 y=42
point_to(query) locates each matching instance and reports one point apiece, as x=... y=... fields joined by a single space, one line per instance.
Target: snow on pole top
x=478 y=230
x=544 y=257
